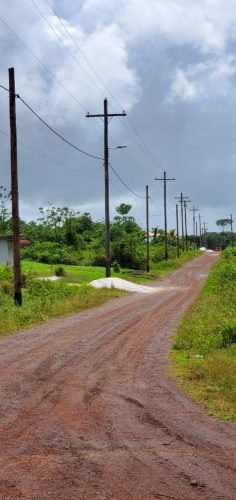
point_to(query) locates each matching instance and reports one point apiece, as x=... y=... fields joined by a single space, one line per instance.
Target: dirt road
x=87 y=409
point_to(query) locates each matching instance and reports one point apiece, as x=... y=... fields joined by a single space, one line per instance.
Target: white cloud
x=211 y=78
x=205 y=24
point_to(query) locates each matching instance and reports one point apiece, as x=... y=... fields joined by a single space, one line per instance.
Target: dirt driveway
x=87 y=410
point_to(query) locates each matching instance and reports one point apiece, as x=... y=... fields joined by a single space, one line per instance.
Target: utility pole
x=182 y=198
x=200 y=231
x=147 y=221
x=177 y=229
x=105 y=115
x=185 y=223
x=205 y=237
x=194 y=210
x=14 y=190
x=165 y=179
x=231 y=229
x=197 y=233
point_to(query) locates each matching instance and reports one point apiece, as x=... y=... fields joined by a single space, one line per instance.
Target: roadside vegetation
x=43 y=300
x=204 y=348
x=70 y=245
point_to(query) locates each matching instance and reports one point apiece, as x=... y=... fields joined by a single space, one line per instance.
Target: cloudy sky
x=171 y=64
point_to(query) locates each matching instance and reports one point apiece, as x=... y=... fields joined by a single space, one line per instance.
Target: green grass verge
x=204 y=347
x=45 y=300
x=85 y=274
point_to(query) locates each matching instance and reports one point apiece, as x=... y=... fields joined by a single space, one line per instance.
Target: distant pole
x=14 y=191
x=185 y=223
x=182 y=219
x=106 y=117
x=194 y=210
x=182 y=198
x=194 y=242
x=147 y=221
x=231 y=229
x=205 y=234
x=165 y=212
x=196 y=234
x=177 y=229
x=200 y=231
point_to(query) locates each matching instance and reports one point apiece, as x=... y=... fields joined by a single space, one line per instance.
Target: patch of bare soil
x=88 y=411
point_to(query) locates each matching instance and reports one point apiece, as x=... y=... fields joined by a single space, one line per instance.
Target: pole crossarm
x=109 y=115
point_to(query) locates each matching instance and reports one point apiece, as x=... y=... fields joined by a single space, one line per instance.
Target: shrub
x=59 y=271
x=116 y=266
x=228 y=333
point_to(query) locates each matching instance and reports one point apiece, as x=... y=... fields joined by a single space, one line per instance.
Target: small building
x=6 y=250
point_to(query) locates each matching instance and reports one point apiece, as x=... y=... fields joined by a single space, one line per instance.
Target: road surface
x=87 y=410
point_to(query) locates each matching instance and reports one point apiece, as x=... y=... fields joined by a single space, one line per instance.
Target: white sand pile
x=122 y=284
x=49 y=278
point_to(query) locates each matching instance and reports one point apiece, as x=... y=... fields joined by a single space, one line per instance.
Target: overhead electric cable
x=49 y=158
x=124 y=183
x=52 y=129
x=42 y=64
x=65 y=46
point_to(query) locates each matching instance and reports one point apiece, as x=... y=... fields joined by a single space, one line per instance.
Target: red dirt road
x=87 y=410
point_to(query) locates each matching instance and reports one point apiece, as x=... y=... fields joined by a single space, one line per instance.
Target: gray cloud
x=171 y=65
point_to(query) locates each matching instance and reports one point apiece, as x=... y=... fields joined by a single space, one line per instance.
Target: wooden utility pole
x=177 y=229
x=197 y=234
x=185 y=223
x=182 y=198
x=14 y=191
x=165 y=212
x=200 y=231
x=194 y=210
x=231 y=229
x=105 y=115
x=205 y=234
x=147 y=223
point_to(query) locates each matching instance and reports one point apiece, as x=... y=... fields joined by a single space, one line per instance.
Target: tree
x=223 y=222
x=123 y=208
x=5 y=217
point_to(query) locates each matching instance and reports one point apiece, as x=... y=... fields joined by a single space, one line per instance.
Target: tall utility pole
x=197 y=233
x=106 y=117
x=231 y=229
x=177 y=229
x=200 y=231
x=194 y=210
x=165 y=179
x=147 y=221
x=14 y=190
x=205 y=236
x=182 y=198
x=185 y=223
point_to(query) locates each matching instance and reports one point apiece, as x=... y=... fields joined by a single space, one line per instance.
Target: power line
x=156 y=161
x=124 y=183
x=68 y=91
x=65 y=46
x=42 y=64
x=49 y=158
x=52 y=129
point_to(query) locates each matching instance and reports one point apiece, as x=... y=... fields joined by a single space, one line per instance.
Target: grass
x=204 y=347
x=85 y=274
x=43 y=300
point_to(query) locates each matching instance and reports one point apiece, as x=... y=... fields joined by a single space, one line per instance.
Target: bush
x=59 y=271
x=51 y=253
x=116 y=266
x=228 y=334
